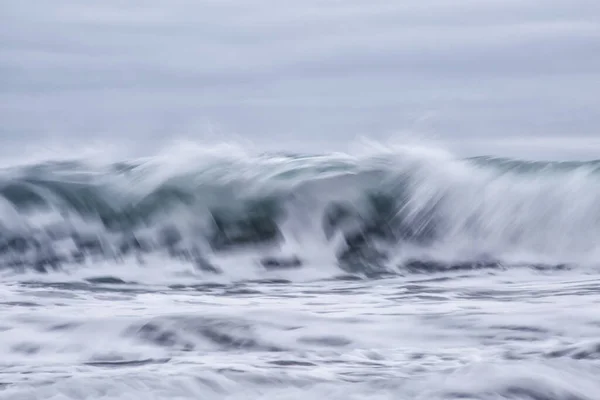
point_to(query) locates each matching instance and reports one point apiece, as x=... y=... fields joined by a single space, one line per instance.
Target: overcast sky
x=303 y=75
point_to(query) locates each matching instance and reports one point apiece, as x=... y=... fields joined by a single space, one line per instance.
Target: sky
x=480 y=76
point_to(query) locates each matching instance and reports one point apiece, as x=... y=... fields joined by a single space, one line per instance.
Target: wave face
x=402 y=211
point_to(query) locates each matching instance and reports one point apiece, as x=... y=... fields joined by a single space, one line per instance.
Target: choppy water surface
x=400 y=275
x=525 y=335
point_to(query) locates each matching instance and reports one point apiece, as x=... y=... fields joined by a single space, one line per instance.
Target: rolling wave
x=405 y=211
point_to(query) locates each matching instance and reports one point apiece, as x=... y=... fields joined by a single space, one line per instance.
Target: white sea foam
x=436 y=205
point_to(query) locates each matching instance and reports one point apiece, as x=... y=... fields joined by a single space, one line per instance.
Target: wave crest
x=370 y=214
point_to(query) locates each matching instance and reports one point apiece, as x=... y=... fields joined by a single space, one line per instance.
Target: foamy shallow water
x=513 y=334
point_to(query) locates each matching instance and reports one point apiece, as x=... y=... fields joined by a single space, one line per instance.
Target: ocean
x=411 y=273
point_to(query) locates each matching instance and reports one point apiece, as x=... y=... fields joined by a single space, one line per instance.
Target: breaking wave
x=407 y=210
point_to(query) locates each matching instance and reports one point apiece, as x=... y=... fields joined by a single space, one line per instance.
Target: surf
x=391 y=211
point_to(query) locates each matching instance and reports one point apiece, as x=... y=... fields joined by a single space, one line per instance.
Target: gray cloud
x=310 y=73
